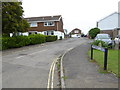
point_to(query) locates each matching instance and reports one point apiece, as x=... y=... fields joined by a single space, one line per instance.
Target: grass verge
x=98 y=56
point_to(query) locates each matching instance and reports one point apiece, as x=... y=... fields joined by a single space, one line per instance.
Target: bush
x=93 y=32
x=19 y=41
x=13 y=42
x=100 y=43
x=37 y=39
x=50 y=38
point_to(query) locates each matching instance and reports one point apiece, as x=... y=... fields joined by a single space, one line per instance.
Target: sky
x=82 y=14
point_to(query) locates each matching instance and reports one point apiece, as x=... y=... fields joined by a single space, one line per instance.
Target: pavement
x=81 y=73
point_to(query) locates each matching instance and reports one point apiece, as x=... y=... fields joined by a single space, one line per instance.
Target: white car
x=117 y=39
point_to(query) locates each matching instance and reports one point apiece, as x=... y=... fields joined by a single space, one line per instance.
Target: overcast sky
x=82 y=14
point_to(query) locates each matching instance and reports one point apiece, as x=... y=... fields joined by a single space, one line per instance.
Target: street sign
x=105 y=50
x=98 y=48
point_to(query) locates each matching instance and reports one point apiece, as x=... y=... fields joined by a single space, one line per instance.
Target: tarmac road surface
x=28 y=67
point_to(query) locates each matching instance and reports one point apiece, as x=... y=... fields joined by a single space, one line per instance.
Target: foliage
x=50 y=38
x=19 y=41
x=36 y=39
x=12 y=20
x=93 y=32
x=14 y=42
x=100 y=43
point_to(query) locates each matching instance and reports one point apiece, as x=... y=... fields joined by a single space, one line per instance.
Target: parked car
x=117 y=39
x=106 y=38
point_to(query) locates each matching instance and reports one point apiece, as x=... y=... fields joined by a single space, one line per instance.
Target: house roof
x=76 y=29
x=44 y=18
x=108 y=16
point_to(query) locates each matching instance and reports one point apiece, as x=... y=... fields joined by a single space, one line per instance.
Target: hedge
x=19 y=41
x=51 y=38
x=37 y=39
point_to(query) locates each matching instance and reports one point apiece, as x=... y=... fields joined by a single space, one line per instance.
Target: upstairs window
x=33 y=24
x=76 y=31
x=49 y=24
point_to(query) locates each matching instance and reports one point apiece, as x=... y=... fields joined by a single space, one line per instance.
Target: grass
x=98 y=56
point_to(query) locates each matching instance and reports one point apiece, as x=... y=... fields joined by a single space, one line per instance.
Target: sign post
x=105 y=50
x=91 y=52
x=105 y=59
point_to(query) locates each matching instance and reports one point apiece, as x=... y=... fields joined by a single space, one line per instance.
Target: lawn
x=112 y=60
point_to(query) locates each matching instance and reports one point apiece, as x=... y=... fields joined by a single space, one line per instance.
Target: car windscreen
x=103 y=37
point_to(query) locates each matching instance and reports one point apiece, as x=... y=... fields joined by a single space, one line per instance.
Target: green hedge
x=37 y=39
x=51 y=38
x=19 y=41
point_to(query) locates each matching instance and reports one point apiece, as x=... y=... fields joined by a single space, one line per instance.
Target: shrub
x=50 y=38
x=93 y=32
x=19 y=41
x=36 y=38
x=13 y=42
x=100 y=43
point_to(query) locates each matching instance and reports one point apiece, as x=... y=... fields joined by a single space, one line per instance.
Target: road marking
x=51 y=75
x=69 y=49
x=48 y=86
x=31 y=54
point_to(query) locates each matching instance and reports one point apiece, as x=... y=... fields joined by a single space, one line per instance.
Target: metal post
x=105 y=59
x=91 y=52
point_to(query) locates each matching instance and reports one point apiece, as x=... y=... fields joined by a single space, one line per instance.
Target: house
x=47 y=25
x=75 y=33
x=109 y=24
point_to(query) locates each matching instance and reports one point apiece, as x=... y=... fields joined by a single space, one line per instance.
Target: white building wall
x=109 y=22
x=25 y=34
x=76 y=35
x=59 y=34
x=56 y=33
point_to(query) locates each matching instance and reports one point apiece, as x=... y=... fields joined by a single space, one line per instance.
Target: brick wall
x=112 y=33
x=40 y=27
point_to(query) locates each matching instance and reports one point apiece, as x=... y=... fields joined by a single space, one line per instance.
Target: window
x=48 y=23
x=76 y=31
x=48 y=32
x=34 y=24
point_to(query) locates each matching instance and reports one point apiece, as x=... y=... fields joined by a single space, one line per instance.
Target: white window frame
x=48 y=23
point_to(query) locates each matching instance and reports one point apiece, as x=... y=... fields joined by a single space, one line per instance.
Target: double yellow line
x=51 y=75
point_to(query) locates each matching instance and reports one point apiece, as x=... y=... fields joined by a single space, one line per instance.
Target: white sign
x=99 y=48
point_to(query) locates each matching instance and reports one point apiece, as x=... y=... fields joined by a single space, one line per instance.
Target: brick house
x=109 y=24
x=47 y=25
x=75 y=32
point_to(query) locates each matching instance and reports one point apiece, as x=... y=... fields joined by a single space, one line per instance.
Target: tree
x=12 y=20
x=93 y=32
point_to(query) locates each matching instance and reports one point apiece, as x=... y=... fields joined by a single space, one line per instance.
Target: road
x=28 y=67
